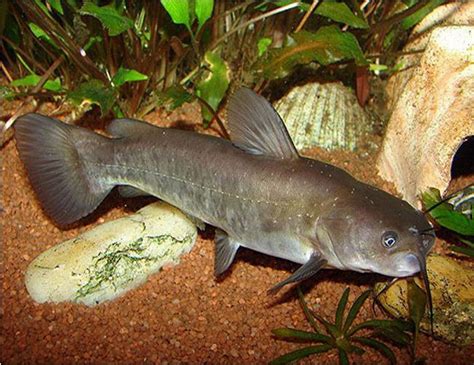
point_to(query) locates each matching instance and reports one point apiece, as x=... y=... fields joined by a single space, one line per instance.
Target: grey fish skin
x=256 y=189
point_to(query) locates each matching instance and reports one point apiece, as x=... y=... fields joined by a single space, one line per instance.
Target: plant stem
x=306 y=16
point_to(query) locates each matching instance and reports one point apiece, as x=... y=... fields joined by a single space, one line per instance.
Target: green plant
x=343 y=335
x=455 y=214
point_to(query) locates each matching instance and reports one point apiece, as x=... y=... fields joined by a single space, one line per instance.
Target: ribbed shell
x=323 y=115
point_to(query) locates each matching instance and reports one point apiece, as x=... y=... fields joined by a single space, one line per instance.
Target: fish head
x=376 y=232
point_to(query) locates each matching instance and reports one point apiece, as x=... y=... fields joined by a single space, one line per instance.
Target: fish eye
x=389 y=239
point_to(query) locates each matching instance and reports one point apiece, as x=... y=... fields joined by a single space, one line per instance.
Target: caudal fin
x=52 y=152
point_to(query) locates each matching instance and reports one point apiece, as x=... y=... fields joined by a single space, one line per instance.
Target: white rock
x=112 y=258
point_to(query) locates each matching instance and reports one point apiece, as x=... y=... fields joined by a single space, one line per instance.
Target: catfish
x=255 y=189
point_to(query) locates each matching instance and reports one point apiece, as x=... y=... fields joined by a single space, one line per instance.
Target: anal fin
x=226 y=248
x=314 y=264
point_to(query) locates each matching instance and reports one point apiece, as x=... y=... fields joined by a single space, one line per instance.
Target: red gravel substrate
x=182 y=314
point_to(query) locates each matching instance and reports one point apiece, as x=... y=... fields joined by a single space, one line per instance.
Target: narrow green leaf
x=178 y=11
x=174 y=97
x=7 y=93
x=300 y=335
x=33 y=79
x=468 y=251
x=379 y=346
x=395 y=335
x=56 y=5
x=203 y=9
x=343 y=359
x=93 y=92
x=341 y=307
x=124 y=75
x=355 y=310
x=41 y=34
x=381 y=324
x=263 y=44
x=418 y=16
x=327 y=45
x=109 y=16
x=307 y=312
x=467 y=242
x=213 y=86
x=299 y=354
x=416 y=305
x=341 y=13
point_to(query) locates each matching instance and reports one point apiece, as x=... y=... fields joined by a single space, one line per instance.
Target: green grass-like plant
x=343 y=335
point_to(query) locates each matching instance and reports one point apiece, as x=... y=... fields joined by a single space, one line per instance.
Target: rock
x=453 y=300
x=324 y=115
x=112 y=258
x=431 y=103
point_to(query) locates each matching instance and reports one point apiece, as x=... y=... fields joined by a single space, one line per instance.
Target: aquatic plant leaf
x=299 y=354
x=341 y=13
x=445 y=215
x=382 y=324
x=174 y=97
x=263 y=44
x=327 y=45
x=416 y=306
x=33 y=79
x=56 y=5
x=341 y=307
x=7 y=93
x=41 y=34
x=93 y=92
x=355 y=308
x=178 y=11
x=307 y=312
x=109 y=16
x=300 y=335
x=343 y=359
x=203 y=9
x=468 y=251
x=124 y=75
x=418 y=16
x=379 y=346
x=212 y=88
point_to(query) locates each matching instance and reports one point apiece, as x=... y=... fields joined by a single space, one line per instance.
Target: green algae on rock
x=324 y=115
x=453 y=300
x=112 y=258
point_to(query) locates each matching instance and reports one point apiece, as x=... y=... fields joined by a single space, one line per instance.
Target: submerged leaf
x=295 y=334
x=341 y=307
x=178 y=11
x=325 y=46
x=262 y=45
x=418 y=16
x=299 y=354
x=56 y=5
x=109 y=16
x=174 y=97
x=32 y=80
x=341 y=13
x=416 y=305
x=379 y=346
x=124 y=75
x=213 y=86
x=40 y=33
x=203 y=9
x=355 y=310
x=93 y=92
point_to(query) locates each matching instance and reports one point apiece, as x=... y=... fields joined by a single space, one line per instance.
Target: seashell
x=432 y=112
x=112 y=258
x=324 y=115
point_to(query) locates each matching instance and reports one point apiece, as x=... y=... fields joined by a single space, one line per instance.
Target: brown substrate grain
x=180 y=315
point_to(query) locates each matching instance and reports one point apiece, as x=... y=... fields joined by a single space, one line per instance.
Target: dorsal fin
x=256 y=127
x=129 y=127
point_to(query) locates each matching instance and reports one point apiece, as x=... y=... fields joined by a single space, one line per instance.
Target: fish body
x=255 y=189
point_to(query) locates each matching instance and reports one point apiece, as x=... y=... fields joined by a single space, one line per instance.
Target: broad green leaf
x=93 y=92
x=300 y=335
x=263 y=44
x=418 y=16
x=416 y=305
x=174 y=97
x=203 y=10
x=213 y=86
x=445 y=215
x=41 y=34
x=124 y=75
x=379 y=346
x=299 y=354
x=178 y=10
x=109 y=16
x=341 y=307
x=325 y=46
x=355 y=310
x=341 y=13
x=56 y=5
x=33 y=79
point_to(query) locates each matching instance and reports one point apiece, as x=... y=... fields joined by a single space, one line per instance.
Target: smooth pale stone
x=112 y=258
x=453 y=300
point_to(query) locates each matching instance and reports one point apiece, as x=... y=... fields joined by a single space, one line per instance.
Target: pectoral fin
x=226 y=249
x=315 y=263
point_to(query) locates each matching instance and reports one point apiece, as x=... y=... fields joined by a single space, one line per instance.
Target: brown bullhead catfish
x=256 y=189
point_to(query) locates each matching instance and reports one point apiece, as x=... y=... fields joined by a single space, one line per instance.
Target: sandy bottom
x=182 y=314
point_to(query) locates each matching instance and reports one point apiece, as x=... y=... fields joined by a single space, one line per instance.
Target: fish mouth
x=407 y=265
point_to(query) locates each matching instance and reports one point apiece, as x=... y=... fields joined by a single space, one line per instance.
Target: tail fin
x=52 y=152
